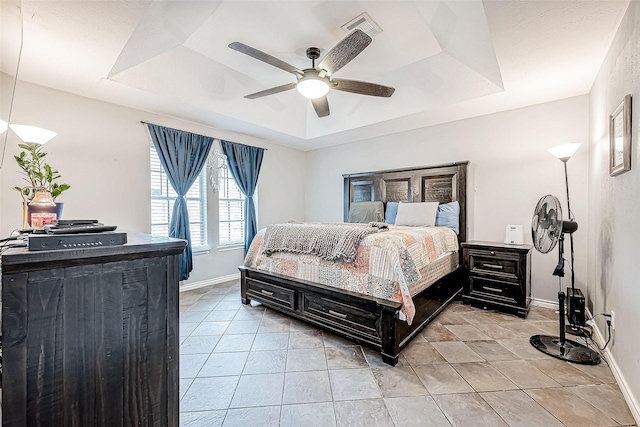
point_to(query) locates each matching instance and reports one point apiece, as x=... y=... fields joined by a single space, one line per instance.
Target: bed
x=374 y=322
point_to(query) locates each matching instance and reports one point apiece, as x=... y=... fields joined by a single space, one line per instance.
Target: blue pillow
x=448 y=215
x=391 y=213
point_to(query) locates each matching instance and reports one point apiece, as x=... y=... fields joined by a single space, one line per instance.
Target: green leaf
x=48 y=173
x=36 y=172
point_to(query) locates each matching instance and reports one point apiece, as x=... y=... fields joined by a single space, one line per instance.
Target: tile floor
x=250 y=366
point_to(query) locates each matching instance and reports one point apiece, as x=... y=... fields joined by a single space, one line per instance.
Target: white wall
x=614 y=205
x=510 y=170
x=102 y=150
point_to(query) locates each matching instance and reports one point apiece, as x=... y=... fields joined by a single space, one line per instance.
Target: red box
x=39 y=220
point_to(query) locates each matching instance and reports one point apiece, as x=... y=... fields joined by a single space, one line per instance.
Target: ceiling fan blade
x=342 y=53
x=321 y=105
x=271 y=91
x=264 y=57
x=363 y=88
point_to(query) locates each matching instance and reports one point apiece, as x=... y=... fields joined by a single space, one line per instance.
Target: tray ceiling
x=447 y=59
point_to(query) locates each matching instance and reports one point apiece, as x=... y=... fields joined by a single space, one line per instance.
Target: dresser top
x=496 y=245
x=138 y=245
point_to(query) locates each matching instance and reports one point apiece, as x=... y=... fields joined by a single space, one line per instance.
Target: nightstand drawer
x=502 y=265
x=497 y=290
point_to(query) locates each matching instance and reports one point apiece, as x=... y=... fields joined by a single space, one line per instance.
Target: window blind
x=231 y=210
x=163 y=197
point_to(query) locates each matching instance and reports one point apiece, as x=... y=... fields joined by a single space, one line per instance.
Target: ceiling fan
x=315 y=82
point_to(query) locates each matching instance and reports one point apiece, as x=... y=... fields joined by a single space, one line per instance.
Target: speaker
x=575 y=307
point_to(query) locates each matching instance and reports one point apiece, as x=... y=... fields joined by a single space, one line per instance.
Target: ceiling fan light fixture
x=315 y=82
x=311 y=86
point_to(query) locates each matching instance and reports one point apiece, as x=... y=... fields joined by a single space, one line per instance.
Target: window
x=163 y=197
x=231 y=202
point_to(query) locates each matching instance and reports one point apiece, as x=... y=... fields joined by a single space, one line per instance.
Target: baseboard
x=634 y=405
x=553 y=305
x=209 y=282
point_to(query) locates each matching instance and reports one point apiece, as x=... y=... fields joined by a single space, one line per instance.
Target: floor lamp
x=560 y=347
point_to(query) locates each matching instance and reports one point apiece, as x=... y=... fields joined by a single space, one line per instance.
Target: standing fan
x=547 y=230
x=546 y=225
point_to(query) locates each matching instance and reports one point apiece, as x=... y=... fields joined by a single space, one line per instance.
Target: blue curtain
x=244 y=164
x=183 y=155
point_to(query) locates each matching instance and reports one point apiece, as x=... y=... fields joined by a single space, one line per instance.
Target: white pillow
x=417 y=214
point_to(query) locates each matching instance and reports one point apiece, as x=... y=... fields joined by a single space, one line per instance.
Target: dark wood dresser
x=90 y=336
x=499 y=276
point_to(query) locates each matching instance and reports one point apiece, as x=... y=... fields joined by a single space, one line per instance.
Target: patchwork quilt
x=385 y=265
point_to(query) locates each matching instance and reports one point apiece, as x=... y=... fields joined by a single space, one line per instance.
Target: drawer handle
x=497 y=267
x=335 y=313
x=266 y=292
x=493 y=289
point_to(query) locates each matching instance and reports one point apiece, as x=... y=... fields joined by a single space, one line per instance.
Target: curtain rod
x=149 y=123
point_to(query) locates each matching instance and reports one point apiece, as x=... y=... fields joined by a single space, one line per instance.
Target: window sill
x=225 y=248
x=201 y=250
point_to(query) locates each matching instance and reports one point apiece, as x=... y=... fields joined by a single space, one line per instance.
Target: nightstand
x=499 y=276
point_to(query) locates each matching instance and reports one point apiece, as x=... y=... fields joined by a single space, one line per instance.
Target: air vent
x=363 y=22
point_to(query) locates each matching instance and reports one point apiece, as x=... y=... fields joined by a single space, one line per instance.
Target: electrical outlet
x=613 y=320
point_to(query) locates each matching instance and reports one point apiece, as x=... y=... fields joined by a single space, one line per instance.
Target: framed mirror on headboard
x=442 y=183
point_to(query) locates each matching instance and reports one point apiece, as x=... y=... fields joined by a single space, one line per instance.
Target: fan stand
x=560 y=347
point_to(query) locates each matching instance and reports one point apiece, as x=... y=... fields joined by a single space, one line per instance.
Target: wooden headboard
x=442 y=183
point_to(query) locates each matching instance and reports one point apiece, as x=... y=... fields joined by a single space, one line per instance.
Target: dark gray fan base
x=571 y=351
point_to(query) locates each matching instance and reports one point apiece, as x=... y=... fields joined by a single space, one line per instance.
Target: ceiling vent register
x=364 y=23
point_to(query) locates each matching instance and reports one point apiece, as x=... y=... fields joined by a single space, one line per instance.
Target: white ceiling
x=448 y=60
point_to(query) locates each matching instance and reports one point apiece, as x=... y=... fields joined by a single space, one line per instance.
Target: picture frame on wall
x=620 y=138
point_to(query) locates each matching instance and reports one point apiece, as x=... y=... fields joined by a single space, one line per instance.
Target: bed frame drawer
x=266 y=292
x=324 y=310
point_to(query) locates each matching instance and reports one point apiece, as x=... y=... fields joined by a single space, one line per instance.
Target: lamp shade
x=33 y=133
x=564 y=151
x=3 y=126
x=312 y=87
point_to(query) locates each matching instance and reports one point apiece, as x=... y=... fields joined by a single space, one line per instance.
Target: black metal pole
x=561 y=295
x=566 y=183
x=563 y=333
x=571 y=218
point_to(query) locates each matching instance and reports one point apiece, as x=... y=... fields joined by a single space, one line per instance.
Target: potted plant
x=41 y=178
